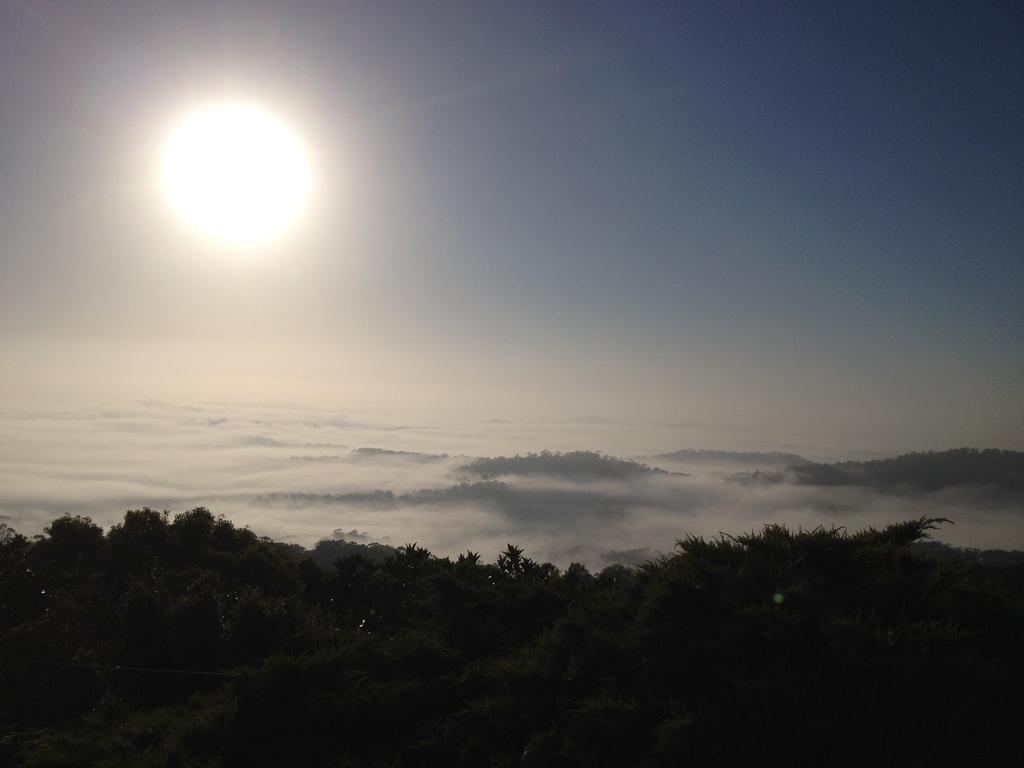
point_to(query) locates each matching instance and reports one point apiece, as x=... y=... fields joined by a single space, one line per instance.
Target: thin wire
x=121 y=668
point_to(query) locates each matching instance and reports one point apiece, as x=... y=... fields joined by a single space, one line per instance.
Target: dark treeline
x=929 y=471
x=573 y=465
x=994 y=558
x=760 y=458
x=190 y=642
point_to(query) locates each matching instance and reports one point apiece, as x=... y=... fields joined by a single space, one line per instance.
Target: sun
x=236 y=173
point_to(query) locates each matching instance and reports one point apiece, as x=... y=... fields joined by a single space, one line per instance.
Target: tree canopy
x=189 y=641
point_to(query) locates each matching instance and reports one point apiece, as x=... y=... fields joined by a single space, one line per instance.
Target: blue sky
x=776 y=216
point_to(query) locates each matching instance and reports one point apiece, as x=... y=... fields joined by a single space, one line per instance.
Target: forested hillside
x=187 y=641
x=927 y=471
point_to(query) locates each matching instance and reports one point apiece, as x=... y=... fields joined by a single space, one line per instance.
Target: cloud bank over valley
x=598 y=496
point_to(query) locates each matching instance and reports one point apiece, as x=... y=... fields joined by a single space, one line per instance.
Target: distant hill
x=574 y=465
x=767 y=459
x=929 y=471
x=385 y=453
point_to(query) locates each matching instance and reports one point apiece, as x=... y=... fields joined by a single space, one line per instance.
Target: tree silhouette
x=189 y=641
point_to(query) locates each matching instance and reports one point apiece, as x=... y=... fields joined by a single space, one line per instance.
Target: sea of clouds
x=303 y=474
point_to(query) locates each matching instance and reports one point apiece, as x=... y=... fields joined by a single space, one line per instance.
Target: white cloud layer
x=299 y=474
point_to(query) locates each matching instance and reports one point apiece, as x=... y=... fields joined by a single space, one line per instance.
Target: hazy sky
x=788 y=218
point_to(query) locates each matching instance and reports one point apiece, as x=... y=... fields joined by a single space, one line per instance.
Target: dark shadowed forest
x=923 y=471
x=189 y=641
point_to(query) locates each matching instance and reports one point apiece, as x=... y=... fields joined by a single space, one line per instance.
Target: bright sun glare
x=236 y=173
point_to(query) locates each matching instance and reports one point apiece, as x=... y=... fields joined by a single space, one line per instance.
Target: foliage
x=576 y=465
x=928 y=471
x=191 y=642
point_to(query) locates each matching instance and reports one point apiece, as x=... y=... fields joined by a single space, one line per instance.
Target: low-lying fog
x=300 y=475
